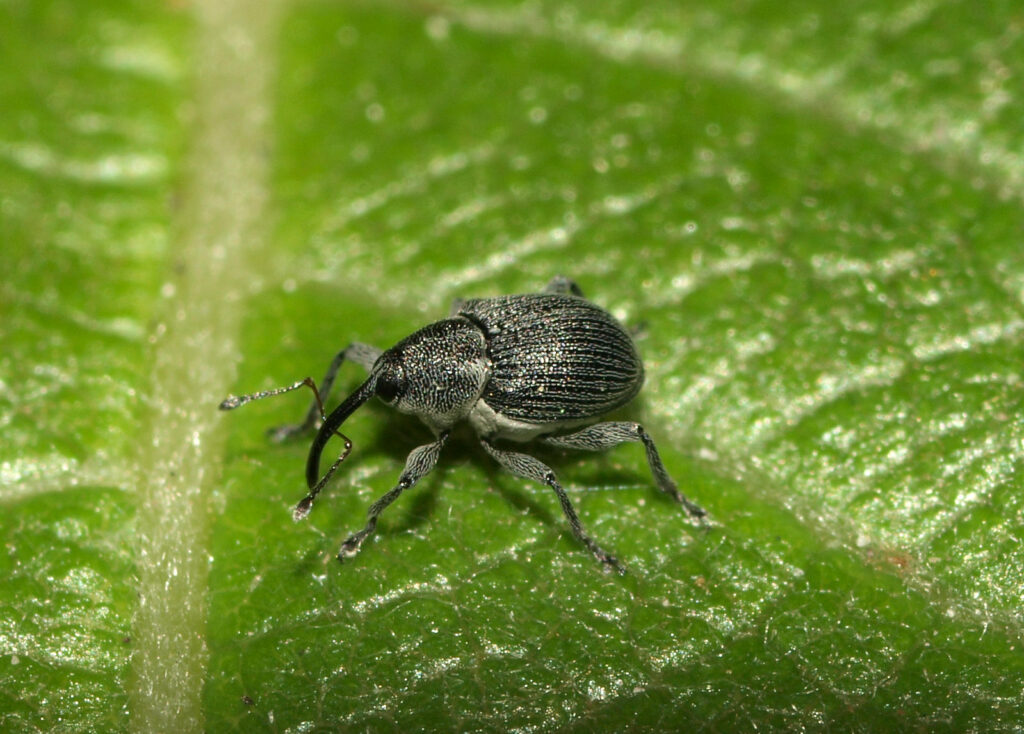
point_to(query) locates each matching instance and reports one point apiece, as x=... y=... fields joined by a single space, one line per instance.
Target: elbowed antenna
x=330 y=427
x=236 y=401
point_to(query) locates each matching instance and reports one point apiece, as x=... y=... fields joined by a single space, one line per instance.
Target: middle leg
x=603 y=436
x=528 y=467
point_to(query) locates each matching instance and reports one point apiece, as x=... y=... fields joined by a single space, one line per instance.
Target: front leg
x=363 y=355
x=421 y=460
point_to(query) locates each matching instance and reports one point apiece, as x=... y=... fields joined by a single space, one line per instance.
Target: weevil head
x=437 y=373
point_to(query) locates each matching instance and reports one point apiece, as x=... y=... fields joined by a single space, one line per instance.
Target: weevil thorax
x=436 y=373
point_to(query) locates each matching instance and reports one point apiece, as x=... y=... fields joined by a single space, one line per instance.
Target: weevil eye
x=389 y=386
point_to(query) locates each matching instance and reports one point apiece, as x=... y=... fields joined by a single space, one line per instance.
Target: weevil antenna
x=330 y=427
x=236 y=401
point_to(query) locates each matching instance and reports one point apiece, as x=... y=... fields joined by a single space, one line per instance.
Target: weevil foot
x=350 y=548
x=302 y=509
x=695 y=511
x=692 y=508
x=611 y=563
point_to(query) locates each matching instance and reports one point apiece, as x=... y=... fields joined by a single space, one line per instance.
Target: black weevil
x=540 y=366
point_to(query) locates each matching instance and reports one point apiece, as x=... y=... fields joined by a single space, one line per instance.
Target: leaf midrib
x=215 y=251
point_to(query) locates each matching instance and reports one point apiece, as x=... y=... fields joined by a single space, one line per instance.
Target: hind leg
x=564 y=286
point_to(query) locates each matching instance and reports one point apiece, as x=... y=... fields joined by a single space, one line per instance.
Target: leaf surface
x=812 y=219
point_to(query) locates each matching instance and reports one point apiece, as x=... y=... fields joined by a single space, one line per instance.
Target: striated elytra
x=542 y=366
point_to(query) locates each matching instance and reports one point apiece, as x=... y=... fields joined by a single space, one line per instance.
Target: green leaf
x=812 y=217
x=89 y=143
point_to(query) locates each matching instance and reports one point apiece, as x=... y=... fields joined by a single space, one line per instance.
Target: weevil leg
x=421 y=460
x=603 y=436
x=363 y=355
x=528 y=467
x=564 y=286
x=559 y=285
x=457 y=305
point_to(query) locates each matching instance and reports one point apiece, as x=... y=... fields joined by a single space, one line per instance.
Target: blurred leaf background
x=813 y=215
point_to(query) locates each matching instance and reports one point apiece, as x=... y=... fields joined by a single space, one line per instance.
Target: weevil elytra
x=543 y=366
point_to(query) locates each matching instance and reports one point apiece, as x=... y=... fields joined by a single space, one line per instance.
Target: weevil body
x=542 y=366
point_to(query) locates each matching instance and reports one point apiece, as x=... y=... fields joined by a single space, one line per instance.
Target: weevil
x=543 y=366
